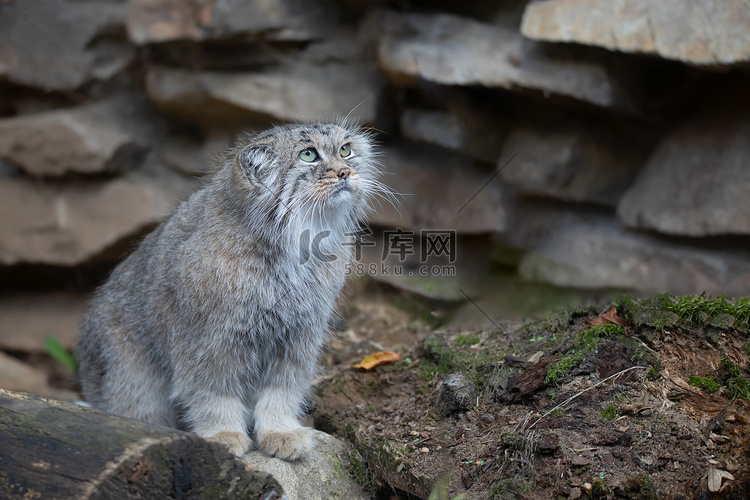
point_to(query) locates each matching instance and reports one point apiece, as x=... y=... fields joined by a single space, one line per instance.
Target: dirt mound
x=642 y=399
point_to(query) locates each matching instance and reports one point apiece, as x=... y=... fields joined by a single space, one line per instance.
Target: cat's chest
x=283 y=296
x=312 y=285
x=242 y=286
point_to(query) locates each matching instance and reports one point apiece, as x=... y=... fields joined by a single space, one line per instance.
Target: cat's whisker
x=346 y=123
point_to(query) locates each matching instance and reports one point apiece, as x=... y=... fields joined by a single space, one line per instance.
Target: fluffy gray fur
x=215 y=322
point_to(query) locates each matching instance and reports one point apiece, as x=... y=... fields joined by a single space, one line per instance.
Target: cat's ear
x=253 y=160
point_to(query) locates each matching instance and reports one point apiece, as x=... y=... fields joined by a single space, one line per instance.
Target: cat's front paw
x=288 y=445
x=237 y=442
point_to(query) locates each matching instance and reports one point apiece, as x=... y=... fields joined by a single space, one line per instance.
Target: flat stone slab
x=54 y=46
x=162 y=21
x=605 y=256
x=452 y=50
x=70 y=225
x=697 y=181
x=701 y=32
x=90 y=139
x=302 y=93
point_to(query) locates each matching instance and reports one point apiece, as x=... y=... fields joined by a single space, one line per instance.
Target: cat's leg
x=277 y=426
x=116 y=372
x=218 y=417
x=209 y=387
x=278 y=409
x=134 y=388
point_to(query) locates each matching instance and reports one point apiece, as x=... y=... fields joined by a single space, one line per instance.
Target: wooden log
x=58 y=450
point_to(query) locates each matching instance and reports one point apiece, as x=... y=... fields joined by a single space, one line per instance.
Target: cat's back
x=129 y=293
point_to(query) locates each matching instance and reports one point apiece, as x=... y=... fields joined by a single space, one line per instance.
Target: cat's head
x=324 y=174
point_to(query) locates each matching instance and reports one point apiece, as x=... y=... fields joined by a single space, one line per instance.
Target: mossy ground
x=705 y=383
x=583 y=343
x=444 y=353
x=693 y=311
x=632 y=437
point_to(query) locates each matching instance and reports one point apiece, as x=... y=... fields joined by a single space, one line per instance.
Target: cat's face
x=310 y=172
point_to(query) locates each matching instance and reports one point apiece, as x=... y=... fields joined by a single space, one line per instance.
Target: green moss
x=468 y=340
x=591 y=336
x=442 y=358
x=705 y=383
x=563 y=365
x=645 y=312
x=401 y=366
x=609 y=413
x=357 y=467
x=557 y=323
x=353 y=432
x=738 y=387
x=428 y=370
x=695 y=310
x=741 y=312
x=336 y=462
x=730 y=375
x=665 y=310
x=583 y=343
x=726 y=366
x=642 y=355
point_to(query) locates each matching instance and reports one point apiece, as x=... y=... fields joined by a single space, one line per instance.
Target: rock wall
x=604 y=144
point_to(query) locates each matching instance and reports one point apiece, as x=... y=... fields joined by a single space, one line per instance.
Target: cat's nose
x=344 y=173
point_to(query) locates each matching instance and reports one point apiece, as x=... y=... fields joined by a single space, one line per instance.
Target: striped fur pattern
x=215 y=323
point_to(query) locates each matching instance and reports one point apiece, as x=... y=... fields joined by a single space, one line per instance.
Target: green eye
x=345 y=150
x=308 y=155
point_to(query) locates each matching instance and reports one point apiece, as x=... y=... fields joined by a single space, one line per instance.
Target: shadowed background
x=579 y=148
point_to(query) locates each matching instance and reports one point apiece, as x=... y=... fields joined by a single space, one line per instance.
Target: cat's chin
x=341 y=197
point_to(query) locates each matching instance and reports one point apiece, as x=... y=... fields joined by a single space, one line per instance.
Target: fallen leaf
x=377 y=359
x=536 y=357
x=608 y=318
x=716 y=477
